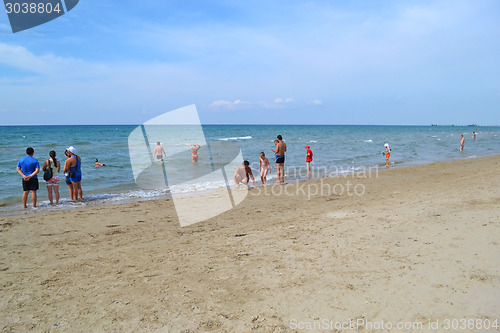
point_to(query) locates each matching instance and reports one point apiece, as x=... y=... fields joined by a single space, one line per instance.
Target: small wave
x=235 y=138
x=433 y=136
x=368 y=141
x=313 y=141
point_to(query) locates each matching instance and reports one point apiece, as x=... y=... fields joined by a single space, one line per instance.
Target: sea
x=343 y=148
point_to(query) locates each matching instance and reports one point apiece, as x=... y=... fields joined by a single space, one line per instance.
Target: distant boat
x=433 y=124
x=472 y=125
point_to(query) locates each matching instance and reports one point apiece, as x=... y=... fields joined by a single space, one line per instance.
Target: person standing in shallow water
x=462 y=143
x=66 y=174
x=387 y=153
x=194 y=152
x=280 y=159
x=53 y=183
x=73 y=165
x=28 y=167
x=309 y=158
x=264 y=168
x=159 y=153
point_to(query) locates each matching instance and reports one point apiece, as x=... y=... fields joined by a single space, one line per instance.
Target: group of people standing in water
x=243 y=173
x=28 y=168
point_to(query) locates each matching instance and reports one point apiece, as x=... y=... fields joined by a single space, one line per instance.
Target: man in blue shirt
x=28 y=167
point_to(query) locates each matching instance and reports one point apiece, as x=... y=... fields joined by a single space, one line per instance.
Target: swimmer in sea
x=159 y=153
x=462 y=143
x=194 y=152
x=98 y=164
x=264 y=167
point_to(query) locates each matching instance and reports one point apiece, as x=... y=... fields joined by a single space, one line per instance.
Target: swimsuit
x=265 y=166
x=280 y=159
x=194 y=154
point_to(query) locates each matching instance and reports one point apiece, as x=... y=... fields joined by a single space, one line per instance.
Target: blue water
x=341 y=147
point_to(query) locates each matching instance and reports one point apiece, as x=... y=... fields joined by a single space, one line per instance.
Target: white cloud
x=281 y=100
x=46 y=64
x=228 y=103
x=316 y=102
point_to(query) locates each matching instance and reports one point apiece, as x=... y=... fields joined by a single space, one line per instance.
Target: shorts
x=52 y=181
x=30 y=185
x=68 y=181
x=387 y=155
x=280 y=159
x=308 y=161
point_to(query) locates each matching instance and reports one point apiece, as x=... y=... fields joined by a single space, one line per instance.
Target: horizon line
x=214 y=124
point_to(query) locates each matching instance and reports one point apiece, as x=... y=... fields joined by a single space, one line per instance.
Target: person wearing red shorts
x=387 y=153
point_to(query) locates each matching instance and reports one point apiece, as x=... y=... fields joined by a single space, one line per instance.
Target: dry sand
x=420 y=245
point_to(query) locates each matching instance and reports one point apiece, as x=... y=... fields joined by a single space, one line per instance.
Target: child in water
x=387 y=153
x=309 y=158
x=264 y=167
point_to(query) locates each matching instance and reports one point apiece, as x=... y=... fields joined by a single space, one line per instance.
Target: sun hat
x=307 y=147
x=386 y=145
x=71 y=149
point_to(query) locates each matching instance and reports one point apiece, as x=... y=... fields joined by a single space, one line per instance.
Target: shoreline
x=420 y=245
x=107 y=199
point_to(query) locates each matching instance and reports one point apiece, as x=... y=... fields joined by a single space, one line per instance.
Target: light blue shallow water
x=341 y=147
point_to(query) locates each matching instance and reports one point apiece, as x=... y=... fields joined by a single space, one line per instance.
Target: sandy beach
x=412 y=245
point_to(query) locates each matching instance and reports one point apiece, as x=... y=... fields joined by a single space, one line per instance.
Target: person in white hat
x=387 y=153
x=73 y=167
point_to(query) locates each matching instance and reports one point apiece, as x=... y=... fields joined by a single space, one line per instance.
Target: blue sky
x=256 y=62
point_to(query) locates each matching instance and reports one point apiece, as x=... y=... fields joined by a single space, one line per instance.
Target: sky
x=256 y=62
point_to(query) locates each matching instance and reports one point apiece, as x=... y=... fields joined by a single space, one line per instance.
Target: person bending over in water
x=242 y=174
x=194 y=152
x=264 y=167
x=159 y=153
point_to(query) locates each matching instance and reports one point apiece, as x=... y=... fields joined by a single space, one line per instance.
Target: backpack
x=47 y=174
